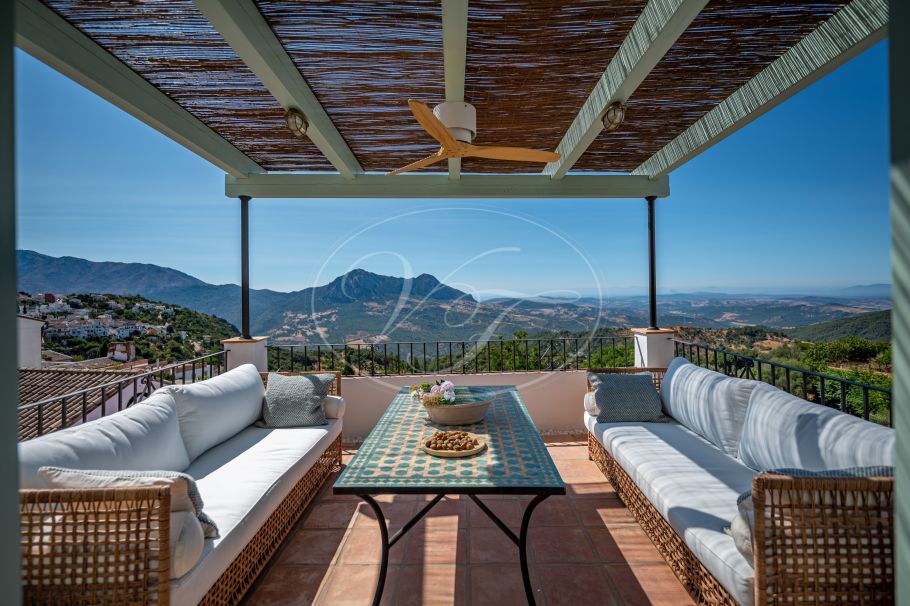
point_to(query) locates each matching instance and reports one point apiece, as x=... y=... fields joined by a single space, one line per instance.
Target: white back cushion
x=709 y=403
x=216 y=409
x=145 y=436
x=782 y=430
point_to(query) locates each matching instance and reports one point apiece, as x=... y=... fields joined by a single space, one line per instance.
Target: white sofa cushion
x=186 y=543
x=242 y=481
x=144 y=436
x=709 y=403
x=334 y=407
x=216 y=409
x=782 y=430
x=692 y=484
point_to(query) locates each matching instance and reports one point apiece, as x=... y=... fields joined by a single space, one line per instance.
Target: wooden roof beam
x=454 y=46
x=438 y=186
x=660 y=24
x=52 y=40
x=849 y=32
x=245 y=29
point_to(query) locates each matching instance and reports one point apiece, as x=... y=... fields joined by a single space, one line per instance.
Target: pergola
x=218 y=75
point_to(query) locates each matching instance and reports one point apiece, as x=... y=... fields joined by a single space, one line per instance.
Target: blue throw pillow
x=296 y=400
x=623 y=397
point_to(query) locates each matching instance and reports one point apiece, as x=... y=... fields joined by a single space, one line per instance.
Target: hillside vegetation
x=875 y=326
x=203 y=332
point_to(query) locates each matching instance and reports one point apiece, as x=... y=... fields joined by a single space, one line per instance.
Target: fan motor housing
x=459 y=117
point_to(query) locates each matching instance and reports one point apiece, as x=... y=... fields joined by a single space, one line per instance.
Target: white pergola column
x=252 y=350
x=653 y=347
x=10 y=554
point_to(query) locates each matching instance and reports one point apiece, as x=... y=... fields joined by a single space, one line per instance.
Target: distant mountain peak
x=363 y=285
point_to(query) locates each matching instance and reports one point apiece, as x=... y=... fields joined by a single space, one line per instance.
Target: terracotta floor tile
x=568 y=451
x=560 y=545
x=582 y=547
x=509 y=511
x=331 y=514
x=577 y=585
x=624 y=544
x=396 y=514
x=289 y=585
x=497 y=585
x=431 y=586
x=312 y=546
x=491 y=545
x=602 y=512
x=576 y=470
x=596 y=489
x=448 y=514
x=555 y=511
x=652 y=585
x=364 y=546
x=436 y=546
x=355 y=586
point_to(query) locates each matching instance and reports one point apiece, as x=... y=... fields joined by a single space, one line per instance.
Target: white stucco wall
x=28 y=342
x=554 y=399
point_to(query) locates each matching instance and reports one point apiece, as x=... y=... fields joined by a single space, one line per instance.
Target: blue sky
x=796 y=201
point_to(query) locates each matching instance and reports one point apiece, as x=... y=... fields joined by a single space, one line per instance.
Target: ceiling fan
x=455 y=138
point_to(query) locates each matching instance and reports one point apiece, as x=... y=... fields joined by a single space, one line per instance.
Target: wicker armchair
x=817 y=539
x=111 y=546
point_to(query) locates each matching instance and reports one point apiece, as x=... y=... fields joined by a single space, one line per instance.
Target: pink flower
x=435 y=389
x=448 y=386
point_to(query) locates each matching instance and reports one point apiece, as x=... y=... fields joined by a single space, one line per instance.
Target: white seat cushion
x=782 y=430
x=242 y=481
x=692 y=484
x=216 y=409
x=143 y=437
x=709 y=403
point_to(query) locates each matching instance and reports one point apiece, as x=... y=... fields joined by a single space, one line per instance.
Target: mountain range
x=368 y=307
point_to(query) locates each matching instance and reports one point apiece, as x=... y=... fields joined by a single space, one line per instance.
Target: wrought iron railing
x=58 y=412
x=448 y=357
x=870 y=402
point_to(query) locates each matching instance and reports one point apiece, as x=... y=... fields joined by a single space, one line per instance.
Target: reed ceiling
x=530 y=66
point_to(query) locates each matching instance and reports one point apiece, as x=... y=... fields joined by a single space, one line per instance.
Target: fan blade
x=432 y=124
x=419 y=164
x=520 y=154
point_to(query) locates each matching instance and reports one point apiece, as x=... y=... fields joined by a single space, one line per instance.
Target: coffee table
x=516 y=462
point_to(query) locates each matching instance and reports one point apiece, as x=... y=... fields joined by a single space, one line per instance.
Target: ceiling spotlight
x=296 y=123
x=614 y=116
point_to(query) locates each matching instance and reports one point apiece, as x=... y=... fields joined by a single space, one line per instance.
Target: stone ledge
x=243 y=340
x=654 y=331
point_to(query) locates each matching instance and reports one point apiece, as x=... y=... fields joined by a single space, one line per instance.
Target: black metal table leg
x=384 y=537
x=384 y=532
x=523 y=546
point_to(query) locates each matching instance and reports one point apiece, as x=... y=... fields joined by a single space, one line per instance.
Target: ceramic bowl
x=459 y=414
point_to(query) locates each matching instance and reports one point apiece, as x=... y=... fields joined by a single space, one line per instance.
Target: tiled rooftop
x=585 y=549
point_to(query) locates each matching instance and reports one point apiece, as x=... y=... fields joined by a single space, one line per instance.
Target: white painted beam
x=455 y=48
x=49 y=38
x=660 y=24
x=431 y=186
x=849 y=32
x=246 y=30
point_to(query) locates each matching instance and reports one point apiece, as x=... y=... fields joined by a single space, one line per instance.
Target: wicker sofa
x=118 y=546
x=821 y=539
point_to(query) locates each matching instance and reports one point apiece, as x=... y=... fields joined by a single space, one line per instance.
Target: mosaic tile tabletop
x=391 y=461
